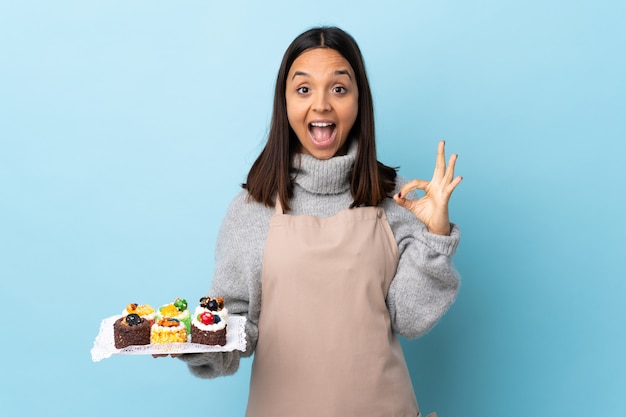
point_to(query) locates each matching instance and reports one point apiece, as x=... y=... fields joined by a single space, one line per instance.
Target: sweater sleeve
x=237 y=278
x=426 y=282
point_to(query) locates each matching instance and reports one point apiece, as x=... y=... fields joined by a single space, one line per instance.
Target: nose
x=321 y=102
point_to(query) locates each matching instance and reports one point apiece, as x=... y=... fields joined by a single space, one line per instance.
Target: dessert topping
x=180 y=304
x=168 y=322
x=213 y=304
x=206 y=318
x=169 y=310
x=133 y=319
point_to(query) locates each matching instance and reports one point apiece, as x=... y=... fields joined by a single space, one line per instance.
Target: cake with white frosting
x=209 y=322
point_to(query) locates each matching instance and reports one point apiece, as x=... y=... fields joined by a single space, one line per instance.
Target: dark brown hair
x=270 y=174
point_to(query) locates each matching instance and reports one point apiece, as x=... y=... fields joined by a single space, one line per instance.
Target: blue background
x=127 y=126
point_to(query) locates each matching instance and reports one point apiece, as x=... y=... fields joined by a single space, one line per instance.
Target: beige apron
x=325 y=346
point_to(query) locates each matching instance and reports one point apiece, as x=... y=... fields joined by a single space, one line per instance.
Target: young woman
x=325 y=255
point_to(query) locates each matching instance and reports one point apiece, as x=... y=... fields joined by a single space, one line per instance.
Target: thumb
x=401 y=200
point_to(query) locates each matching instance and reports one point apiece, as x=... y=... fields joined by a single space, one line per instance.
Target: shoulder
x=245 y=212
x=244 y=226
x=400 y=181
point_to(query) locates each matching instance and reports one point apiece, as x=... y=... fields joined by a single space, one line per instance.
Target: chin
x=324 y=153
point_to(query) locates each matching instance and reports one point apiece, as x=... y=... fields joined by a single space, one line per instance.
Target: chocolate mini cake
x=209 y=322
x=207 y=337
x=131 y=330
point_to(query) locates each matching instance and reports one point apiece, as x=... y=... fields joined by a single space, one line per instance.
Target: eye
x=339 y=90
x=303 y=90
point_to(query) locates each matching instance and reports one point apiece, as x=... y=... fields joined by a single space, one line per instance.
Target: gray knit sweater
x=424 y=287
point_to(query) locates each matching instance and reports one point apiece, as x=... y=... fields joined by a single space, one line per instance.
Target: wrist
x=442 y=230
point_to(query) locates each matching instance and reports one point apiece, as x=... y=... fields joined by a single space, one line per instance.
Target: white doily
x=104 y=345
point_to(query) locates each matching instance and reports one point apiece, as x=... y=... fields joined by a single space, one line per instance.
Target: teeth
x=321 y=124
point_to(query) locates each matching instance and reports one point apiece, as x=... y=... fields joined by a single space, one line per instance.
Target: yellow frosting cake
x=168 y=330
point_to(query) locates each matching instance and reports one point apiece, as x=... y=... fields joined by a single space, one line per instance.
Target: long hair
x=269 y=175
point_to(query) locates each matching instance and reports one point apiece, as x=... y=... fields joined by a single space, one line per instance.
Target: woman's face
x=322 y=101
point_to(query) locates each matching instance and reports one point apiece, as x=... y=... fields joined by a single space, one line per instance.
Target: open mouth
x=322 y=133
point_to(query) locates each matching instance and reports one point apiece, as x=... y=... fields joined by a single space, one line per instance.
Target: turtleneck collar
x=330 y=176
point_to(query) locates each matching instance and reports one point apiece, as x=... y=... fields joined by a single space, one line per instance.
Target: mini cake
x=144 y=311
x=209 y=322
x=167 y=329
x=176 y=310
x=131 y=330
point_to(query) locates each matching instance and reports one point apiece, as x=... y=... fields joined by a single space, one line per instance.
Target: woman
x=325 y=255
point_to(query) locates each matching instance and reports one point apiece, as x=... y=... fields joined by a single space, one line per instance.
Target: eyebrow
x=338 y=72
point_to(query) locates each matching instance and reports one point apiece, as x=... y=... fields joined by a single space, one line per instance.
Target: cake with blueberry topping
x=167 y=329
x=176 y=310
x=131 y=330
x=209 y=322
x=145 y=311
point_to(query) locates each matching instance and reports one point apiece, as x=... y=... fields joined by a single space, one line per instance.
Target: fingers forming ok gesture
x=432 y=208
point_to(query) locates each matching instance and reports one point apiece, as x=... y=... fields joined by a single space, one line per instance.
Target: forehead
x=320 y=61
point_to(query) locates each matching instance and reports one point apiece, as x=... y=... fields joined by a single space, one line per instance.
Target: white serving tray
x=104 y=346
